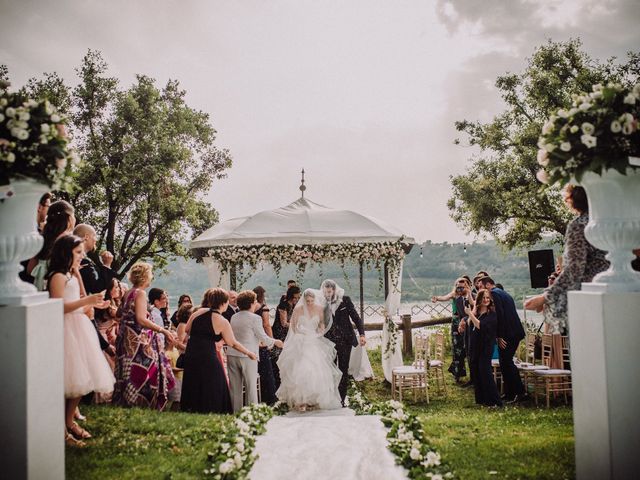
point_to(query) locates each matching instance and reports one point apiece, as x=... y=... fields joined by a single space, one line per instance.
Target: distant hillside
x=433 y=273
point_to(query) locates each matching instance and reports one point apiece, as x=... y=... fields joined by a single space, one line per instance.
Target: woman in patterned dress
x=582 y=261
x=143 y=372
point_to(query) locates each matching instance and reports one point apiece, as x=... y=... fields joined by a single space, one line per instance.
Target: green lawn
x=515 y=442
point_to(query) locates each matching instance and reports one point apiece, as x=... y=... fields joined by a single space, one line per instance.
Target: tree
x=499 y=194
x=147 y=160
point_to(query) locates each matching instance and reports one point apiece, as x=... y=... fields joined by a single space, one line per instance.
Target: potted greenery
x=34 y=158
x=596 y=143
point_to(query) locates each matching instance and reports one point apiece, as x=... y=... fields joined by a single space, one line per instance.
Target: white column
x=605 y=341
x=32 y=394
x=217 y=278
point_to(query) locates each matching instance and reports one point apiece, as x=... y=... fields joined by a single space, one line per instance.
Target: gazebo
x=302 y=233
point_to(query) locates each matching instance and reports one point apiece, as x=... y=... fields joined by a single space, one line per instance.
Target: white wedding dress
x=308 y=372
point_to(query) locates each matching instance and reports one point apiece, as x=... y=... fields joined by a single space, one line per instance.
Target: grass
x=137 y=444
x=516 y=442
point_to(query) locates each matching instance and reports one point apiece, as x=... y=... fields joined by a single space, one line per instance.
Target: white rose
x=1 y=117
x=31 y=103
x=3 y=102
x=595 y=95
x=627 y=129
x=45 y=128
x=626 y=118
x=588 y=128
x=574 y=128
x=585 y=106
x=225 y=467
x=565 y=146
x=55 y=118
x=433 y=458
x=543 y=157
x=43 y=139
x=61 y=163
x=549 y=147
x=589 y=140
x=616 y=126
x=415 y=454
x=547 y=128
x=573 y=111
x=436 y=476
x=542 y=176
x=24 y=116
x=562 y=113
x=47 y=107
x=597 y=87
x=237 y=459
x=10 y=157
x=630 y=99
x=10 y=112
x=636 y=90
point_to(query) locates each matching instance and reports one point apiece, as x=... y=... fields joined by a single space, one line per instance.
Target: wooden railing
x=406 y=325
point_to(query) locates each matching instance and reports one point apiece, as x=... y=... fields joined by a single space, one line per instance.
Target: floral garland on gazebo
x=370 y=254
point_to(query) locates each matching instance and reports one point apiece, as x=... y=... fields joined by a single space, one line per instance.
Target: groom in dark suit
x=341 y=308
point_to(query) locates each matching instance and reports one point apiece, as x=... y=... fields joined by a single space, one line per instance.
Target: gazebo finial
x=302 y=187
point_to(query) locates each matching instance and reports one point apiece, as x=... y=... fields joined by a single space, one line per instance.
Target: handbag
x=537 y=345
x=180 y=361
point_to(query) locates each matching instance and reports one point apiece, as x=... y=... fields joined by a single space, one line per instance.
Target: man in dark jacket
x=343 y=312
x=95 y=276
x=509 y=334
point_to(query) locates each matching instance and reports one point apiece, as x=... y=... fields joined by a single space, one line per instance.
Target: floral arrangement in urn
x=599 y=131
x=33 y=142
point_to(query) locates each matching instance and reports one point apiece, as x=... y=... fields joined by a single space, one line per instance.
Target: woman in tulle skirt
x=85 y=368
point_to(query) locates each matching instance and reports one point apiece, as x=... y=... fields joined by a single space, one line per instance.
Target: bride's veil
x=311 y=305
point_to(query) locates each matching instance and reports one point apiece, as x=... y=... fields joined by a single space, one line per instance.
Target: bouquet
x=598 y=132
x=33 y=142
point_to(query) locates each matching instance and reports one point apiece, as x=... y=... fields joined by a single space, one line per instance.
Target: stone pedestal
x=32 y=394
x=605 y=349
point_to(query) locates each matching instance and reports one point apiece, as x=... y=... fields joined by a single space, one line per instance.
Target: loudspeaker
x=541 y=265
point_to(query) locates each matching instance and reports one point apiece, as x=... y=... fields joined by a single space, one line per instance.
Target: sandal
x=78 y=416
x=71 y=441
x=78 y=431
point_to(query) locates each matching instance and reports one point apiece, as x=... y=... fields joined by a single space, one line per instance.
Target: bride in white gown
x=308 y=372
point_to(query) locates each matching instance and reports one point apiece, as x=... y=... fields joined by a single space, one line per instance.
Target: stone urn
x=614 y=226
x=19 y=240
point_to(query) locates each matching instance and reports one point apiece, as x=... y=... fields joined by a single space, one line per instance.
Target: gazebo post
x=386 y=280
x=361 y=291
x=232 y=277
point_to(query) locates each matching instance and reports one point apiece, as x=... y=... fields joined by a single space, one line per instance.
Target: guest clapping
x=483 y=338
x=143 y=372
x=85 y=368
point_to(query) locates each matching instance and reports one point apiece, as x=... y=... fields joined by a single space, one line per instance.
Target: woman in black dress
x=265 y=370
x=204 y=386
x=483 y=338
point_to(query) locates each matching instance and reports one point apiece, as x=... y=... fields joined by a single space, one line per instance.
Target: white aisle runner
x=335 y=444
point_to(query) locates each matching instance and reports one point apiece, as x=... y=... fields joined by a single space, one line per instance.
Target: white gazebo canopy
x=300 y=232
x=301 y=222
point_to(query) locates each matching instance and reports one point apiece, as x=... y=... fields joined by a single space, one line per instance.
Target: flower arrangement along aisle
x=406 y=438
x=595 y=142
x=34 y=157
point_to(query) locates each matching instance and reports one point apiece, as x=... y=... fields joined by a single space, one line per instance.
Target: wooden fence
x=407 y=325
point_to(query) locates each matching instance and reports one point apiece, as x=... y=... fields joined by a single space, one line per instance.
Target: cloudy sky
x=361 y=94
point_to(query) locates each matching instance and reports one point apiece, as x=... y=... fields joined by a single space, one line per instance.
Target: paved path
x=335 y=445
